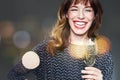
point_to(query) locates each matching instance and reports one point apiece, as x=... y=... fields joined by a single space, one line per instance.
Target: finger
x=88 y=72
x=93 y=69
x=96 y=73
x=90 y=77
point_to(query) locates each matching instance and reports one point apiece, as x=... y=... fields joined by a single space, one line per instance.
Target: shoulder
x=103 y=44
x=41 y=47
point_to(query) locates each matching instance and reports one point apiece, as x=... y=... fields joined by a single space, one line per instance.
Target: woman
x=63 y=56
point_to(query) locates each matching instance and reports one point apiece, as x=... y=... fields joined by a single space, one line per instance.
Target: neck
x=78 y=39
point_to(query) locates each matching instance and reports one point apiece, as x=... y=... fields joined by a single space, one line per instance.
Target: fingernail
x=82 y=71
x=82 y=76
x=86 y=67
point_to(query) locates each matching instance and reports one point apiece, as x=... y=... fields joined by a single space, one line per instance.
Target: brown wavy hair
x=61 y=30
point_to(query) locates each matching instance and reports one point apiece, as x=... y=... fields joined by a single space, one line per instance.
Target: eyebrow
x=77 y=6
x=74 y=6
x=88 y=7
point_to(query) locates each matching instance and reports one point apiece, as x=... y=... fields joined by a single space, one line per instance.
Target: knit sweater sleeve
x=19 y=72
x=105 y=64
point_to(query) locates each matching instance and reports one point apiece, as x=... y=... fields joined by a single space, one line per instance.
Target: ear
x=66 y=15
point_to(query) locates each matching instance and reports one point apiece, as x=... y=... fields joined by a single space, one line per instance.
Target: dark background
x=24 y=23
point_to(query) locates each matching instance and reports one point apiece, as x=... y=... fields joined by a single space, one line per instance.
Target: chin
x=81 y=33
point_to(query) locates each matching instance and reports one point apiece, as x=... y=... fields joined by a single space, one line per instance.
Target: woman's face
x=80 y=18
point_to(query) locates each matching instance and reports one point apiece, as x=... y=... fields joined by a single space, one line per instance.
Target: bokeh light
x=21 y=39
x=0 y=39
x=6 y=29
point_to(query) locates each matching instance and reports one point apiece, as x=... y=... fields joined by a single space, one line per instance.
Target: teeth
x=80 y=23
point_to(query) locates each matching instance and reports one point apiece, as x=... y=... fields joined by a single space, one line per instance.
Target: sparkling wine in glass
x=90 y=58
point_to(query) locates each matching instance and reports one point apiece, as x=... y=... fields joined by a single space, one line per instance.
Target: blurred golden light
x=6 y=29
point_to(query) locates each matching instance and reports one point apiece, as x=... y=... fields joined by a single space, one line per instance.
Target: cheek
x=70 y=22
x=91 y=17
x=70 y=18
x=71 y=15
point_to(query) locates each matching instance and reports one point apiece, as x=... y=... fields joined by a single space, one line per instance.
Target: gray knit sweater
x=59 y=67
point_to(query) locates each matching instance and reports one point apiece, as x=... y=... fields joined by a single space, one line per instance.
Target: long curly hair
x=61 y=30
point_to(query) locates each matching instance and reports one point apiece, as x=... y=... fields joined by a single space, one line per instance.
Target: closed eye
x=88 y=9
x=73 y=10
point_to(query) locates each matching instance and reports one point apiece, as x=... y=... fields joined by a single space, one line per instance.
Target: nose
x=81 y=14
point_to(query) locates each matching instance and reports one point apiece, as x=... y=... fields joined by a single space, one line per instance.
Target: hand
x=92 y=73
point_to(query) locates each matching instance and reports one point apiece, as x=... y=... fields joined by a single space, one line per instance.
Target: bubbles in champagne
x=91 y=57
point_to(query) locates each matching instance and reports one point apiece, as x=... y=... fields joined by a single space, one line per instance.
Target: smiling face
x=80 y=18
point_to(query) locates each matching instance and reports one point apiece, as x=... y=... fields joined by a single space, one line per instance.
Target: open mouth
x=80 y=24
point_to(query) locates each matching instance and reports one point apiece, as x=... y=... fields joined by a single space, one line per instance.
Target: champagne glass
x=90 y=58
